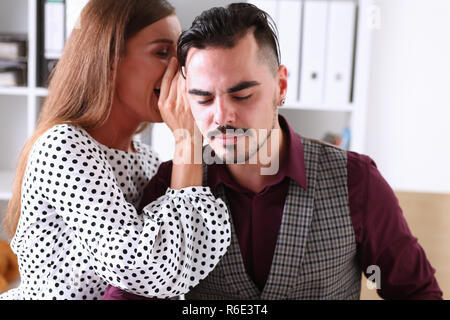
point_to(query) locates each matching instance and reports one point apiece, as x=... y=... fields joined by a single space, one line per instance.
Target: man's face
x=231 y=90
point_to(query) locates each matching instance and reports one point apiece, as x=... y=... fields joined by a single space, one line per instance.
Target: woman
x=81 y=175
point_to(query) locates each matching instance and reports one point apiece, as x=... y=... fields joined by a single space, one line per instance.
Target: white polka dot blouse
x=79 y=229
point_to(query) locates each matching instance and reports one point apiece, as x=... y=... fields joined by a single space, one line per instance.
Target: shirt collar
x=293 y=165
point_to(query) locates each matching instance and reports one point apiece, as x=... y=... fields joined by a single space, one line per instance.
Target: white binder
x=340 y=48
x=312 y=78
x=53 y=29
x=289 y=23
x=73 y=10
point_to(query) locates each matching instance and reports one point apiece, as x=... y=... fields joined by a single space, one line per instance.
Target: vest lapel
x=232 y=263
x=292 y=237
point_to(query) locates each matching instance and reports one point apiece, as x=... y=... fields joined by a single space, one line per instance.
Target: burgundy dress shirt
x=382 y=234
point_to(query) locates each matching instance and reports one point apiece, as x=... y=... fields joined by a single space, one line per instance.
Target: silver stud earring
x=283 y=102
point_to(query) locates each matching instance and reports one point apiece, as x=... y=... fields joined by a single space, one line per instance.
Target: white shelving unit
x=18 y=16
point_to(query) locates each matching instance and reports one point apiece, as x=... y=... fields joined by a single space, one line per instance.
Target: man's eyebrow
x=243 y=85
x=198 y=92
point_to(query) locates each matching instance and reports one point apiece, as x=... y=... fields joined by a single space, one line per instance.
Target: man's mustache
x=229 y=129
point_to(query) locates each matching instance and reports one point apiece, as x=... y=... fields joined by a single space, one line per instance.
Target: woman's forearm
x=185 y=171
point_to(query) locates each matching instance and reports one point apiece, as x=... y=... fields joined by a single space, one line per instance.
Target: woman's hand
x=176 y=113
x=172 y=103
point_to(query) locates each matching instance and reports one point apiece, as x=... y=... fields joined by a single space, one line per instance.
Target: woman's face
x=141 y=69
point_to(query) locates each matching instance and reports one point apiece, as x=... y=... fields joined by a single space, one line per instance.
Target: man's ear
x=282 y=79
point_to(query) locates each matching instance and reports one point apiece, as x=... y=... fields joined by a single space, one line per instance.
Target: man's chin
x=228 y=155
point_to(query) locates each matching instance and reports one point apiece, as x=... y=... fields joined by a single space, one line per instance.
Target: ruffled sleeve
x=161 y=253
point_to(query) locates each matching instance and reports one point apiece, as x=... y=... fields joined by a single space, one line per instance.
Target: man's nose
x=223 y=114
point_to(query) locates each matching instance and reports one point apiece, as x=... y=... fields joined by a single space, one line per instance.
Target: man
x=308 y=219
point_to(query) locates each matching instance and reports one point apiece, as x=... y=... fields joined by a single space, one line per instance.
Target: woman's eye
x=163 y=53
x=242 y=98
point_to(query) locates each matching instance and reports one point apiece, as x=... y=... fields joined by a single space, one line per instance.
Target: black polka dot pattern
x=79 y=229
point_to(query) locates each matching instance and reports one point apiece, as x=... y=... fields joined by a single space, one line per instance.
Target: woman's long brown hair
x=82 y=87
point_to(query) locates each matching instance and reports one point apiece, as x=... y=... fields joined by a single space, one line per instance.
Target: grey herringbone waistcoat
x=315 y=254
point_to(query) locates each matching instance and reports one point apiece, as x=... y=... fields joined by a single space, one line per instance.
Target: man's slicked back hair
x=222 y=27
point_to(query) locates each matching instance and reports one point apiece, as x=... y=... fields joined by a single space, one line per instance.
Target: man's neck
x=255 y=177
